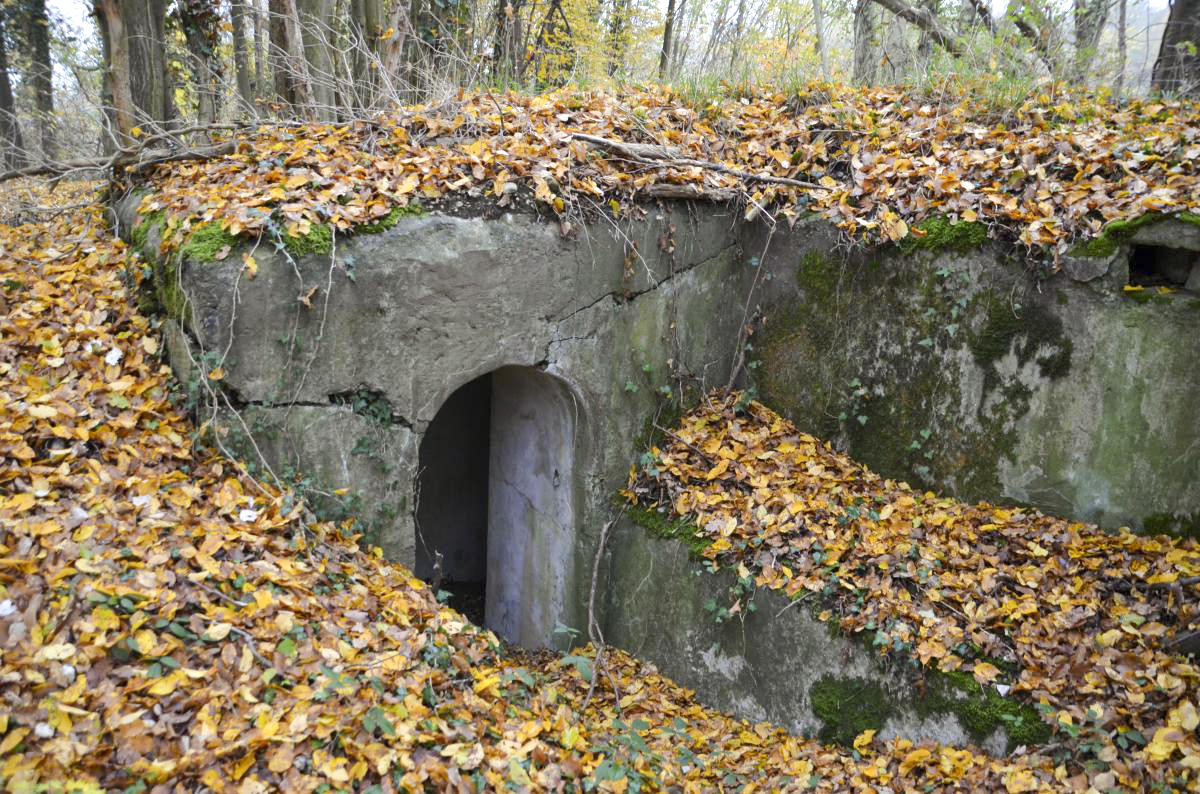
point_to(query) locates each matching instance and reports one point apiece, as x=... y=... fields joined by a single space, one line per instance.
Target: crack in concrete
x=633 y=295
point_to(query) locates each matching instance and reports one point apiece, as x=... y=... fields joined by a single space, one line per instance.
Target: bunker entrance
x=495 y=506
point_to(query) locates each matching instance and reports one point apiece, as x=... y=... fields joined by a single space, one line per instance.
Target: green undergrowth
x=940 y=234
x=1115 y=233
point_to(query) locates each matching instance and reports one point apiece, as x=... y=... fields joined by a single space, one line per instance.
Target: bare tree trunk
x=1090 y=16
x=1177 y=69
x=112 y=26
x=316 y=31
x=37 y=31
x=261 y=90
x=865 y=61
x=1122 y=50
x=506 y=51
x=241 y=66
x=675 y=56
x=201 y=21
x=664 y=58
x=10 y=132
x=618 y=24
x=292 y=86
x=736 y=41
x=822 y=44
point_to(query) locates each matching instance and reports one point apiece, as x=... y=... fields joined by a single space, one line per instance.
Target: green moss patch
x=1117 y=232
x=848 y=706
x=662 y=524
x=319 y=240
x=943 y=234
x=982 y=710
x=205 y=242
x=1028 y=332
x=141 y=232
x=411 y=210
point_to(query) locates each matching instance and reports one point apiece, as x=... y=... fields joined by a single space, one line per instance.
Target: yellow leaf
x=570 y=736
x=985 y=673
x=216 y=374
x=1109 y=638
x=12 y=739
x=296 y=180
x=165 y=685
x=57 y=652
x=218 y=631
x=251 y=265
x=913 y=759
x=105 y=619
x=1164 y=743
x=150 y=344
x=136 y=132
x=864 y=739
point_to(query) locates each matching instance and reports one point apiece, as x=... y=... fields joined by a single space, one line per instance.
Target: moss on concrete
x=141 y=232
x=848 y=706
x=665 y=525
x=1115 y=233
x=1176 y=525
x=411 y=210
x=319 y=240
x=1027 y=332
x=982 y=710
x=942 y=234
x=205 y=242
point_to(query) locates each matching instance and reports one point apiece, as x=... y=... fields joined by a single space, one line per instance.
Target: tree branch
x=926 y=22
x=669 y=156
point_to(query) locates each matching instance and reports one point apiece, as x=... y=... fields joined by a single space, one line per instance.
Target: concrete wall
x=952 y=367
x=406 y=317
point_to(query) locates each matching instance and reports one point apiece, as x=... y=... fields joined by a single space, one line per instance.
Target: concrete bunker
x=495 y=518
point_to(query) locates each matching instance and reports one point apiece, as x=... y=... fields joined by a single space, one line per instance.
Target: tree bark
x=1122 y=50
x=865 y=44
x=261 y=46
x=618 y=25
x=241 y=65
x=201 y=20
x=506 y=51
x=1177 y=69
x=111 y=19
x=10 y=132
x=316 y=32
x=664 y=58
x=287 y=59
x=1090 y=16
x=822 y=44
x=37 y=32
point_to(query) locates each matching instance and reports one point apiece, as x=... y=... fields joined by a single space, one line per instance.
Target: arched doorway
x=496 y=506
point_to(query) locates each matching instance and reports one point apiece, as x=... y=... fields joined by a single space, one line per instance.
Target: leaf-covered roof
x=1046 y=174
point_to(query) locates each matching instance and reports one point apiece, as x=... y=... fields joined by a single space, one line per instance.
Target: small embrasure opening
x=1162 y=266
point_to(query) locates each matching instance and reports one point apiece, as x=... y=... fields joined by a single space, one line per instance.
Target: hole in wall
x=452 y=501
x=1163 y=266
x=495 y=505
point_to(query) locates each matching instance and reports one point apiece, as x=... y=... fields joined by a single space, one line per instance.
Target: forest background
x=80 y=79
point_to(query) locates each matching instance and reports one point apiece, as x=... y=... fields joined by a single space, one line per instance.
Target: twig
x=669 y=156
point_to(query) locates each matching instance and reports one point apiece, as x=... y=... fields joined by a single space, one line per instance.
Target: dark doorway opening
x=452 y=504
x=495 y=502
x=1161 y=266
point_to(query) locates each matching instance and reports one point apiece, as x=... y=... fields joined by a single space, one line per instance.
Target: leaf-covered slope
x=1083 y=622
x=1047 y=174
x=168 y=622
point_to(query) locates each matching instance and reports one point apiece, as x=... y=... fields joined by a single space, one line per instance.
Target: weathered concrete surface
x=958 y=371
x=761 y=666
x=406 y=317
